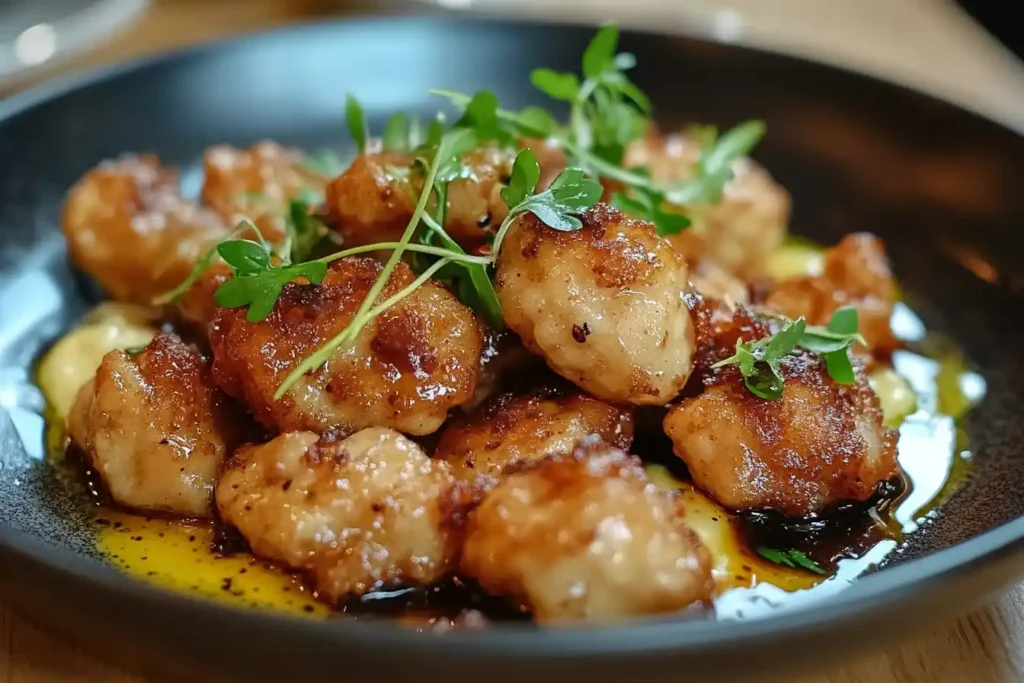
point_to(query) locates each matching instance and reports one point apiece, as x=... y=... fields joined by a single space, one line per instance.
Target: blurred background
x=967 y=51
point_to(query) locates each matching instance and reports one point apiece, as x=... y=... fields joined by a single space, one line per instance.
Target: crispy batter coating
x=358 y=515
x=155 y=428
x=737 y=233
x=584 y=536
x=257 y=183
x=128 y=227
x=374 y=199
x=408 y=367
x=856 y=273
x=514 y=428
x=819 y=445
x=603 y=305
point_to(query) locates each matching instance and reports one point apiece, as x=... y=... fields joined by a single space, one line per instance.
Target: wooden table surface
x=984 y=646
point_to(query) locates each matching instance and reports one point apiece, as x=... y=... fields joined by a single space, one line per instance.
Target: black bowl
x=939 y=185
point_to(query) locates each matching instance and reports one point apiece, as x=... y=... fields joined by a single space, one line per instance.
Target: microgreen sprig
x=759 y=361
x=366 y=312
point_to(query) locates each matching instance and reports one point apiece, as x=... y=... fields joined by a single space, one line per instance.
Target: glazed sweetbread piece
x=584 y=536
x=369 y=512
x=603 y=304
x=820 y=444
x=128 y=227
x=513 y=428
x=155 y=428
x=408 y=367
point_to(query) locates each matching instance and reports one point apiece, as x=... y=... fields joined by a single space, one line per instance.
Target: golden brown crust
x=197 y=307
x=603 y=304
x=820 y=444
x=406 y=370
x=511 y=428
x=127 y=226
x=583 y=536
x=155 y=427
x=369 y=203
x=856 y=273
x=357 y=515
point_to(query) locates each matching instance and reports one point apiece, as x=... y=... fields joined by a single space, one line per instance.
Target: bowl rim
x=866 y=597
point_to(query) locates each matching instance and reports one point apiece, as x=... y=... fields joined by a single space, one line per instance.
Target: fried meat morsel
x=374 y=199
x=818 y=445
x=128 y=227
x=514 y=428
x=603 y=305
x=407 y=368
x=366 y=513
x=585 y=536
x=155 y=428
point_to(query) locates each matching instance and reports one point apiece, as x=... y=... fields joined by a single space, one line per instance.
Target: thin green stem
x=444 y=151
x=499 y=236
x=204 y=262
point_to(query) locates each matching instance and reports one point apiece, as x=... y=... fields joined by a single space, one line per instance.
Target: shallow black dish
x=938 y=184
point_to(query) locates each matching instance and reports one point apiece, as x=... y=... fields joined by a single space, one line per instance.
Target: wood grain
x=985 y=646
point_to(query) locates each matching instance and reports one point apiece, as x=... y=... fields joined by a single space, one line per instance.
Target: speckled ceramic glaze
x=939 y=185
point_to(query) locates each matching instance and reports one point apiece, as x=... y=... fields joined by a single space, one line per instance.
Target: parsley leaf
x=257 y=283
x=356 y=119
x=560 y=86
x=523 y=179
x=759 y=361
x=570 y=194
x=790 y=558
x=599 y=54
x=481 y=116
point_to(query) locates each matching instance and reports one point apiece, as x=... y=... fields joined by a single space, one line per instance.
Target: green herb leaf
x=536 y=122
x=760 y=361
x=259 y=290
x=790 y=558
x=599 y=55
x=356 y=119
x=840 y=368
x=523 y=179
x=395 y=137
x=560 y=86
x=135 y=350
x=570 y=194
x=481 y=116
x=245 y=256
x=783 y=343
